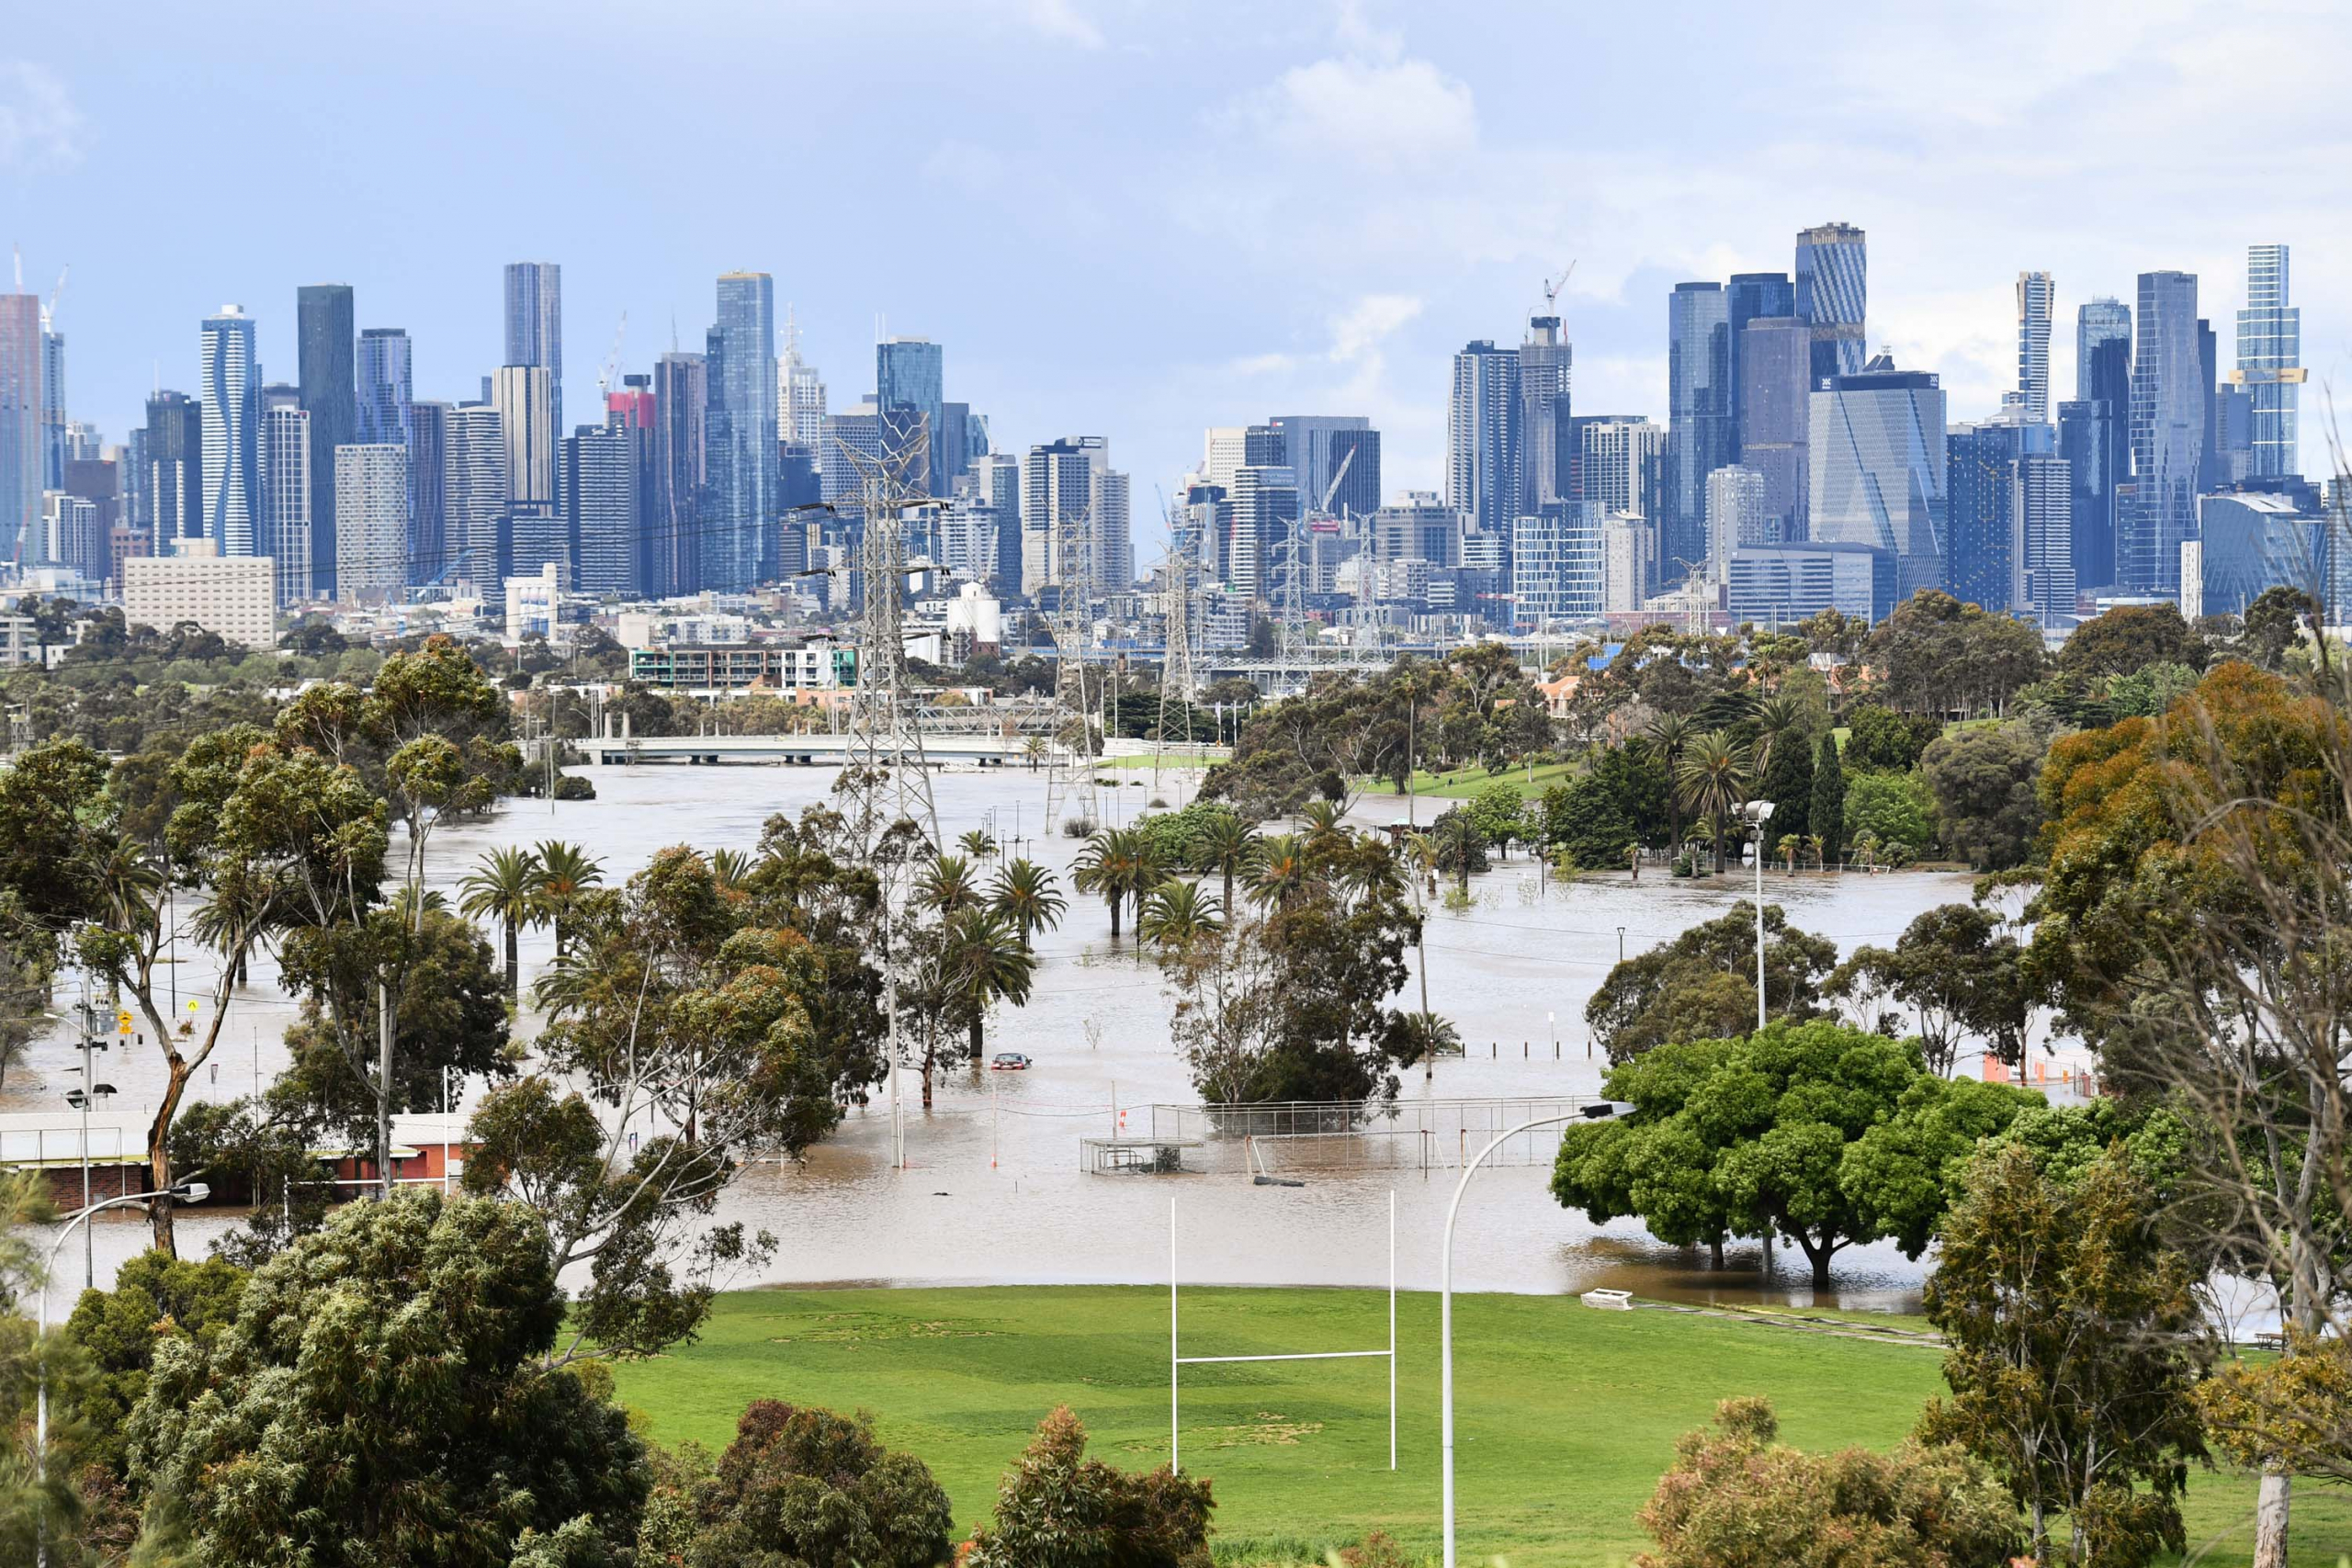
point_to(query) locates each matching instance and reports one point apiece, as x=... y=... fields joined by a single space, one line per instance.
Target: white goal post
x=1177 y=1360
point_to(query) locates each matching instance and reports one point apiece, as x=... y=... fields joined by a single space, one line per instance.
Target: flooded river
x=994 y=1191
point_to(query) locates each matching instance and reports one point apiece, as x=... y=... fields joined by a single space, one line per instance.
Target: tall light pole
x=185 y=1192
x=1599 y=1110
x=1758 y=813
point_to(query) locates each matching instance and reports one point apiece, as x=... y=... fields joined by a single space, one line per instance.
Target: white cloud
x=1382 y=112
x=1262 y=364
x=40 y=127
x=1062 y=21
x=1357 y=332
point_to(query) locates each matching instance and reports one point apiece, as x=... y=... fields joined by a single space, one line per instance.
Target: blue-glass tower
x=2170 y=394
x=1752 y=296
x=1833 y=296
x=1698 y=434
x=909 y=388
x=384 y=387
x=2270 y=341
x=740 y=433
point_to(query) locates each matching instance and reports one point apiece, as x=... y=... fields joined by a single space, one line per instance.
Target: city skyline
x=1408 y=124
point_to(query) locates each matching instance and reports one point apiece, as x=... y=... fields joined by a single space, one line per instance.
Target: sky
x=1136 y=220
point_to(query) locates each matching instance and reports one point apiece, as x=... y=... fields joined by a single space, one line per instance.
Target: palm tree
x=977 y=844
x=1711 y=782
x=1175 y=914
x=1322 y=817
x=1790 y=844
x=1034 y=749
x=1425 y=1037
x=1776 y=716
x=1669 y=732
x=1281 y=875
x=505 y=888
x=1025 y=894
x=1816 y=848
x=729 y=869
x=1119 y=863
x=566 y=873
x=1225 y=844
x=983 y=959
x=946 y=884
x=1454 y=835
x=1141 y=867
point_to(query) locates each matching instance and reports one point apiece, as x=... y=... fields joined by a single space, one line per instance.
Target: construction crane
x=610 y=370
x=1552 y=287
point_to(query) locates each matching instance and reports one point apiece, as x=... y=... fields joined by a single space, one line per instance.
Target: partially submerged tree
x=1702 y=985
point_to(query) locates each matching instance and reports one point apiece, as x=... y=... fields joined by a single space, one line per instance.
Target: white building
x=1629 y=562
x=524 y=396
x=976 y=618
x=233 y=596
x=370 y=522
x=534 y=604
x=286 y=489
x=1735 y=515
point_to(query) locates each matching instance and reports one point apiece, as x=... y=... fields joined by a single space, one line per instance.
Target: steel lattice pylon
x=1070 y=783
x=887 y=780
x=1176 y=643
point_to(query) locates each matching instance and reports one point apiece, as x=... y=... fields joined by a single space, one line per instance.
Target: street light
x=1598 y=1111
x=185 y=1192
x=1758 y=813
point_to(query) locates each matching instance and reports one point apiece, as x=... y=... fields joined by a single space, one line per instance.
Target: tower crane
x=610 y=370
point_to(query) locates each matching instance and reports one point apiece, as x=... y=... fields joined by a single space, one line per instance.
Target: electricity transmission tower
x=887 y=780
x=1176 y=649
x=1070 y=784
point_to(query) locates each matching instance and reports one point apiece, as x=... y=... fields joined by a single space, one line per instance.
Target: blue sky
x=1137 y=219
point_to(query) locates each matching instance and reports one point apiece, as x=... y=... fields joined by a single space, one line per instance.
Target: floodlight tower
x=887 y=780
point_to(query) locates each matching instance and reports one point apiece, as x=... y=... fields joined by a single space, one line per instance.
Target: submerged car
x=1008 y=1062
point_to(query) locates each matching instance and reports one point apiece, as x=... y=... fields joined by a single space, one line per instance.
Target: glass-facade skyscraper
x=2270 y=341
x=1878 y=468
x=740 y=433
x=230 y=369
x=2170 y=394
x=325 y=338
x=534 y=300
x=1699 y=428
x=910 y=390
x=2037 y=296
x=384 y=387
x=22 y=460
x=1833 y=296
x=1749 y=297
x=1775 y=356
x=671 y=550
x=1482 y=437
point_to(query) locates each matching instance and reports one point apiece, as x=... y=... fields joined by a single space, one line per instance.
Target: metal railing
x=1402 y=1134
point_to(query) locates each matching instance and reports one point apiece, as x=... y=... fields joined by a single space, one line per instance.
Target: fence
x=1404 y=1134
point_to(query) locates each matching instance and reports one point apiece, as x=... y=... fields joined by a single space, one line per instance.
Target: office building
x=1699 y=435
x=909 y=382
x=1557 y=572
x=2045 y=509
x=1751 y=296
x=848 y=437
x=371 y=513
x=1325 y=448
x=286 y=491
x=1774 y=585
x=2089 y=438
x=1735 y=515
x=1056 y=510
x=534 y=604
x=474 y=500
x=384 y=387
x=229 y=596
x=534 y=299
x=53 y=420
x=524 y=396
x=2269 y=368
x=2252 y=541
x=1482 y=448
x=2169 y=418
x=1419 y=527
x=171 y=492
x=1876 y=470
x=951 y=447
x=2103 y=352
x=1548 y=465
x=1775 y=358
x=740 y=433
x=1984 y=535
x=1833 y=296
x=428 y=494
x=71 y=538
x=800 y=393
x=2036 y=297
x=673 y=550
x=1115 y=550
x=996 y=478
x=21 y=458
x=326 y=347
x=631 y=409
x=600 y=509
x=231 y=400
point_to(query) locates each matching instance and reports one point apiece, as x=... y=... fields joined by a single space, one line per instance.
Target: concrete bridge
x=958 y=750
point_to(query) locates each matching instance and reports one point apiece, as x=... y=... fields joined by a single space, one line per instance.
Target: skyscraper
x=2096 y=439
x=428 y=493
x=2270 y=341
x=2037 y=295
x=740 y=433
x=2103 y=352
x=600 y=508
x=1833 y=296
x=1752 y=296
x=1699 y=433
x=681 y=447
x=22 y=460
x=474 y=500
x=1736 y=516
x=384 y=391
x=1547 y=469
x=325 y=339
x=231 y=398
x=1059 y=508
x=534 y=324
x=2045 y=509
x=1267 y=512
x=2168 y=421
x=1319 y=447
x=1986 y=555
x=524 y=396
x=371 y=502
x=1775 y=355
x=1483 y=436
x=910 y=381
x=171 y=492
x=286 y=489
x=1877 y=468
x=53 y=419
x=996 y=477
x=800 y=393
x=1614 y=456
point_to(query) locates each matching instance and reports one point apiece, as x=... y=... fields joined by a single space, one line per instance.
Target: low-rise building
x=233 y=596
x=816 y=666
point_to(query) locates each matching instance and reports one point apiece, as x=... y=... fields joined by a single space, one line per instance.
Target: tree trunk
x=929 y=1055
x=159 y=1152
x=1116 y=902
x=2270 y=1520
x=1715 y=1250
x=976 y=1016
x=514 y=966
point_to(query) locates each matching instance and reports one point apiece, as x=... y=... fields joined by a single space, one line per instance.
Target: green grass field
x=1567 y=1415
x=1461 y=784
